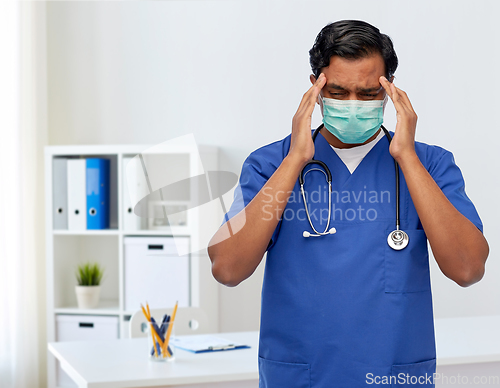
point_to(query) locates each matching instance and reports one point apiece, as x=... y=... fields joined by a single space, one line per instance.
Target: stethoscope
x=397 y=239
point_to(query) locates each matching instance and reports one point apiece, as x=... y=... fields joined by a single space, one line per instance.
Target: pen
x=155 y=333
x=147 y=314
x=158 y=331
x=222 y=347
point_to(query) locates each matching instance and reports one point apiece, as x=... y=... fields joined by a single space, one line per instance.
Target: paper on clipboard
x=205 y=343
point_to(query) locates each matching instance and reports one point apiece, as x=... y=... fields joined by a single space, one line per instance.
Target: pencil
x=144 y=312
x=169 y=331
x=154 y=334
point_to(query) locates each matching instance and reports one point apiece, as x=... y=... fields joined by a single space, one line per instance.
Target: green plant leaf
x=89 y=274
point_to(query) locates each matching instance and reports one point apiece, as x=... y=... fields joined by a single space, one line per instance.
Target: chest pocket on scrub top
x=407 y=270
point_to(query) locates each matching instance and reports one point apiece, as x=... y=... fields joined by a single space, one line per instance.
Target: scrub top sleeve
x=255 y=172
x=449 y=178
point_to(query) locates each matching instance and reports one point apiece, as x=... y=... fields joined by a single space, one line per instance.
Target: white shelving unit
x=65 y=249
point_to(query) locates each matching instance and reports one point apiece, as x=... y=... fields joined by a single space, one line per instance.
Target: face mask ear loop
x=319 y=100
x=386 y=98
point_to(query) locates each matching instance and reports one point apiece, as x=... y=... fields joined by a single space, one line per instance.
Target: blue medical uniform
x=346 y=310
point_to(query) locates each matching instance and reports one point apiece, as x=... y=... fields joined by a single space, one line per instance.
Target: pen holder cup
x=156 y=334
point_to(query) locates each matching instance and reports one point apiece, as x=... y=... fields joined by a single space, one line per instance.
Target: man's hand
x=301 y=145
x=403 y=143
x=460 y=249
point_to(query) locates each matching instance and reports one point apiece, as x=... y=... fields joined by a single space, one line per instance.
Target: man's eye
x=369 y=95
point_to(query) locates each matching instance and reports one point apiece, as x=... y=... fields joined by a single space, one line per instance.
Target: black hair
x=351 y=39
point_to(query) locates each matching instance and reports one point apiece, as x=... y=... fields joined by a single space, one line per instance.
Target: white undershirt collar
x=352 y=157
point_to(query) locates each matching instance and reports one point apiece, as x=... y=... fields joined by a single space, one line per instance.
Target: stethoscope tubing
x=396 y=165
x=397 y=239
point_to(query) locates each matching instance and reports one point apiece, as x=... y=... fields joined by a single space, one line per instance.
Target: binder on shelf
x=60 y=193
x=77 y=199
x=97 y=184
x=132 y=173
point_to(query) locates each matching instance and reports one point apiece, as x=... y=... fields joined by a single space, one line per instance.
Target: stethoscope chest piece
x=398 y=239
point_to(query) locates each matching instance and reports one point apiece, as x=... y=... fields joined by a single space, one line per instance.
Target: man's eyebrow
x=370 y=90
x=364 y=90
x=335 y=86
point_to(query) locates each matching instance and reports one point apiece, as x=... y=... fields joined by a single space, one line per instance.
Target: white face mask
x=353 y=121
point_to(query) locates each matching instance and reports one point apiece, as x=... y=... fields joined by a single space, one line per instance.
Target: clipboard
x=205 y=343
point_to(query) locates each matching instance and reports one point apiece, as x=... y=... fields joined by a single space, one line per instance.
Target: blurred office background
x=232 y=73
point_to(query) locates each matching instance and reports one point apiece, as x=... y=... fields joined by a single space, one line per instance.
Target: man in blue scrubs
x=345 y=309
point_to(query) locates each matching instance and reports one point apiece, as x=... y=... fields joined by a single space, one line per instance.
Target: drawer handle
x=152 y=246
x=83 y=324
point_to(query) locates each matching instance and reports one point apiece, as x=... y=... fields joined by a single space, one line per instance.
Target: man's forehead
x=365 y=87
x=356 y=73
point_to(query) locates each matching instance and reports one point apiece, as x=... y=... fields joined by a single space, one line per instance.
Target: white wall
x=233 y=73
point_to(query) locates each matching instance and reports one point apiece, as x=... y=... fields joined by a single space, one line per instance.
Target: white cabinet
x=86 y=327
x=82 y=328
x=155 y=273
x=133 y=273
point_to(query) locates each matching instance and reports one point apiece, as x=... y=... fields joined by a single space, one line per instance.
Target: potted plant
x=89 y=276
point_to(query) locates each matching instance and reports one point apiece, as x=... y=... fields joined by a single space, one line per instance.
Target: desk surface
x=467 y=340
x=124 y=363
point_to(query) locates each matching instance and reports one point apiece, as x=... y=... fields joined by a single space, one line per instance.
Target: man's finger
x=397 y=100
x=321 y=81
x=318 y=85
x=392 y=93
x=386 y=85
x=309 y=99
x=404 y=96
x=398 y=97
x=310 y=92
x=316 y=90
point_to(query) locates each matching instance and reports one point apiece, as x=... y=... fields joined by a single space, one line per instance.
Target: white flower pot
x=87 y=296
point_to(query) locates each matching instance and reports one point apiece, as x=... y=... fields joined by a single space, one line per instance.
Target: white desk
x=468 y=352
x=467 y=340
x=465 y=346
x=124 y=363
